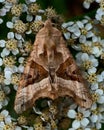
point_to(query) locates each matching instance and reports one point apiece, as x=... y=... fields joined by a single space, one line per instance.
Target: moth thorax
x=52 y=74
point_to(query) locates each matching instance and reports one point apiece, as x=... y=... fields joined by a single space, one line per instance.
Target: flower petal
x=84 y=122
x=4 y=113
x=76 y=124
x=94 y=118
x=71 y=114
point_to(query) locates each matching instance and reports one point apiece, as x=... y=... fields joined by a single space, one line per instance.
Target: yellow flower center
x=33 y=8
x=87 y=64
x=50 y=13
x=15 y=79
x=9 y=61
x=102 y=56
x=53 y=124
x=9 y=127
x=86 y=48
x=71 y=41
x=92 y=78
x=101 y=86
x=20 y=27
x=102 y=4
x=1 y=78
x=53 y=109
x=22 y=120
x=79 y=116
x=97 y=44
x=84 y=31
x=36 y=26
x=28 y=47
x=45 y=115
x=1 y=117
x=95 y=97
x=96 y=111
x=93 y=129
x=2 y=95
x=102 y=20
x=16 y=10
x=11 y=44
x=39 y=126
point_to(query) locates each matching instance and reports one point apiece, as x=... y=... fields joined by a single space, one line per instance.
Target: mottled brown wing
x=71 y=83
x=50 y=72
x=33 y=73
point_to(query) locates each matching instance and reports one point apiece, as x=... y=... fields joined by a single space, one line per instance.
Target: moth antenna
x=37 y=111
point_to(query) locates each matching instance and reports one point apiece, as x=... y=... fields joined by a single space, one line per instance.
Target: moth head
x=48 y=23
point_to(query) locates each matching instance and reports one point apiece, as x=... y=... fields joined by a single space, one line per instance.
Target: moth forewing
x=50 y=72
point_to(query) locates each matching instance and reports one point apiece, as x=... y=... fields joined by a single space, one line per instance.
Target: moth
x=51 y=71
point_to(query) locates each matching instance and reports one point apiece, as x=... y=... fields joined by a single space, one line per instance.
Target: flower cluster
x=83 y=36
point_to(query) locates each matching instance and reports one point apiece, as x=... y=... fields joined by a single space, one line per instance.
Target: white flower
x=30 y=128
x=7 y=81
x=3 y=12
x=94 y=86
x=38 y=18
x=5 y=52
x=29 y=18
x=102 y=73
x=32 y=0
x=67 y=35
x=87 y=62
x=9 y=25
x=4 y=90
x=8 y=74
x=99 y=14
x=1 y=62
x=2 y=43
x=96 y=115
x=66 y=27
x=79 y=128
x=18 y=128
x=1 y=1
x=6 y=116
x=1 y=21
x=21 y=59
x=99 y=78
x=80 y=117
x=10 y=35
x=24 y=8
x=96 y=51
x=98 y=1
x=87 y=3
x=20 y=68
x=81 y=29
x=85 y=30
x=100 y=94
x=68 y=24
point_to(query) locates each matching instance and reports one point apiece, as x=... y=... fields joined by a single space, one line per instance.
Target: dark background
x=69 y=9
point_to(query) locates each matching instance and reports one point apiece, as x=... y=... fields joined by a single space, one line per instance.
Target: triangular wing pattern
x=50 y=72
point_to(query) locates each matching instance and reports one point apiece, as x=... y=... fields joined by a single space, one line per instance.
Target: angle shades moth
x=50 y=72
